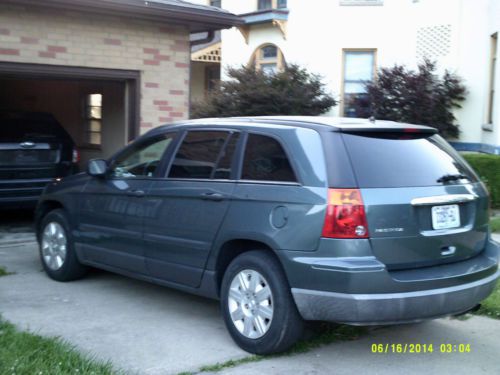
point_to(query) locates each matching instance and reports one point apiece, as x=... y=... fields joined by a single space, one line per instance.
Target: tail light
x=345 y=215
x=76 y=156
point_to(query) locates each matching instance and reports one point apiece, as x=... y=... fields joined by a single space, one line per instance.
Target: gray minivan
x=284 y=219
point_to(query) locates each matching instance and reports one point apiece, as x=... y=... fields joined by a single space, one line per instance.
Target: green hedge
x=488 y=168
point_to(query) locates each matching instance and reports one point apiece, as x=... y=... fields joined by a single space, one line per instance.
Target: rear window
x=17 y=129
x=397 y=160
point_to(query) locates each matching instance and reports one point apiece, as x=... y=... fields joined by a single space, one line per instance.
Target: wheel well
x=231 y=250
x=43 y=210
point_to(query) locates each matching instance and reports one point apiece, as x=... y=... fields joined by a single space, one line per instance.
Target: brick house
x=108 y=70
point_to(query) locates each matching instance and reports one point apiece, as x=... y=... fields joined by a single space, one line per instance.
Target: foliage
x=487 y=166
x=26 y=353
x=495 y=224
x=3 y=271
x=250 y=92
x=491 y=305
x=416 y=97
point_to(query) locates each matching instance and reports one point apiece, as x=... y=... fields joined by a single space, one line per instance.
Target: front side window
x=282 y=4
x=198 y=155
x=266 y=160
x=359 y=68
x=143 y=160
x=216 y=3
x=93 y=119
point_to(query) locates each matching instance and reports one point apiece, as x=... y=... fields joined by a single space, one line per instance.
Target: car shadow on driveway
x=16 y=226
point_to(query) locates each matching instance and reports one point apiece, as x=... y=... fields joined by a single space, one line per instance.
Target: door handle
x=213 y=197
x=136 y=193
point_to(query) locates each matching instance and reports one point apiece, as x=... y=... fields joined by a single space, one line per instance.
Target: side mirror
x=97 y=167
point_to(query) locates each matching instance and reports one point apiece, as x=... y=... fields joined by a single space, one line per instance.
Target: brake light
x=76 y=156
x=345 y=215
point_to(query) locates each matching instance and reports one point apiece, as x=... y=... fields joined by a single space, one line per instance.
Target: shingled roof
x=197 y=17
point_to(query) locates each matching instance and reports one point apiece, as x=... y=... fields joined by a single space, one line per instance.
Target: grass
x=4 y=272
x=27 y=353
x=330 y=333
x=495 y=224
x=487 y=167
x=490 y=307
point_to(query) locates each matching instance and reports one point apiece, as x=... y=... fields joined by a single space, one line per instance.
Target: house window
x=282 y=4
x=264 y=4
x=493 y=63
x=361 y=2
x=216 y=3
x=268 y=58
x=359 y=68
x=271 y=4
x=93 y=119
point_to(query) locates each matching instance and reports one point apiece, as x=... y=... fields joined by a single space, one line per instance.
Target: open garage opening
x=98 y=108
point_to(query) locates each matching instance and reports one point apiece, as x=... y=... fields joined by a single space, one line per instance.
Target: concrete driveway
x=147 y=329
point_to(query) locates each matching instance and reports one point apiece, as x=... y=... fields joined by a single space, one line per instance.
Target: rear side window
x=401 y=161
x=198 y=154
x=266 y=160
x=226 y=158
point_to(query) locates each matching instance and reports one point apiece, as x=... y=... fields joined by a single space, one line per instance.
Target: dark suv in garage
x=284 y=219
x=34 y=150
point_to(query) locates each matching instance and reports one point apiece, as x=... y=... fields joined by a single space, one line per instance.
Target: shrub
x=250 y=92
x=488 y=168
x=416 y=97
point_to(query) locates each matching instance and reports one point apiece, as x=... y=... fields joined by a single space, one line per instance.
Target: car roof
x=323 y=123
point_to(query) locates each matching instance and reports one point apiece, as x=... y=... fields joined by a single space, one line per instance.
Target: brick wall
x=159 y=51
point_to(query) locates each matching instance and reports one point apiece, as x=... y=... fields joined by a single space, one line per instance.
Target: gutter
x=208 y=39
x=197 y=19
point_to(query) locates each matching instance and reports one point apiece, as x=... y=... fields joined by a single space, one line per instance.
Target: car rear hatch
x=424 y=204
x=33 y=150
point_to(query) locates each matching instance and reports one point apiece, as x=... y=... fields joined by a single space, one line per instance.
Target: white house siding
x=455 y=33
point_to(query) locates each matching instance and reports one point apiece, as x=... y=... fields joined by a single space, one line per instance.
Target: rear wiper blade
x=451 y=177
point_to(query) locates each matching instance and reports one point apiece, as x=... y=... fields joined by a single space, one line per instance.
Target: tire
x=258 y=321
x=57 y=252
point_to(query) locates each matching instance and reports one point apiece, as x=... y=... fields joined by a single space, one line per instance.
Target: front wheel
x=56 y=248
x=257 y=304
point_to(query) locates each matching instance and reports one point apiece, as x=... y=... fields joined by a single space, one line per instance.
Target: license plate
x=445 y=217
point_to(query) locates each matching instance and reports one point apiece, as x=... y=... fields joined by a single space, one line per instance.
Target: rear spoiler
x=397 y=128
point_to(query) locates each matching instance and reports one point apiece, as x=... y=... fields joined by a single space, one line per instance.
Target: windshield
x=399 y=160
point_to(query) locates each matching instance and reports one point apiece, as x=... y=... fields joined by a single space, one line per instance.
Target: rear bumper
x=360 y=290
x=15 y=193
x=389 y=308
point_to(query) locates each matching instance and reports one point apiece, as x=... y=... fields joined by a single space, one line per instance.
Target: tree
x=250 y=92
x=417 y=97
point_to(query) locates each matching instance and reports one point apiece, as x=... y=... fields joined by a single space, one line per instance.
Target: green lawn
x=27 y=353
x=495 y=224
x=491 y=306
x=3 y=271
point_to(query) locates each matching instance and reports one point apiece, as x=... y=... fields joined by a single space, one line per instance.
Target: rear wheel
x=257 y=304
x=57 y=250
